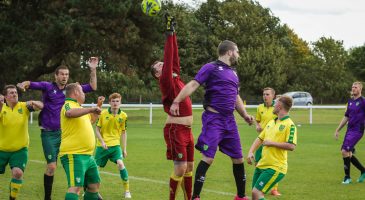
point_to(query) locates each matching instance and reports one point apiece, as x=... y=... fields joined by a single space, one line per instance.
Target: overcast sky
x=312 y=19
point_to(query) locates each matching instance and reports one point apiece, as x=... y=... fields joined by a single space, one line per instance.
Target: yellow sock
x=15 y=186
x=126 y=185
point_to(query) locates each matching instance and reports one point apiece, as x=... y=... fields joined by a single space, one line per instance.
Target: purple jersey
x=356 y=114
x=221 y=86
x=53 y=99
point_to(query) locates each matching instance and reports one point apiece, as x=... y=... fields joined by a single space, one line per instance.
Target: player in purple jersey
x=355 y=120
x=219 y=126
x=53 y=97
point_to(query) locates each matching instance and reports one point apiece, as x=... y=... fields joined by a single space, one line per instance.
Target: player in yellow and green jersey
x=78 y=145
x=263 y=116
x=278 y=137
x=14 y=136
x=111 y=132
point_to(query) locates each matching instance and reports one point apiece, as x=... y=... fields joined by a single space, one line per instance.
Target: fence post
x=310 y=114
x=31 y=118
x=150 y=113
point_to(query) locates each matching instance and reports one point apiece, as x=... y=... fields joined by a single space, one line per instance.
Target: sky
x=311 y=19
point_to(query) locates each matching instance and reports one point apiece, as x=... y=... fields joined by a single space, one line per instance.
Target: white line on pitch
x=148 y=180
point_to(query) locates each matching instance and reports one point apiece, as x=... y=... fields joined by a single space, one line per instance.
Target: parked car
x=301 y=98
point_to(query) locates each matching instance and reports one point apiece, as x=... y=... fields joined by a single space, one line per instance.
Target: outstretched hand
x=93 y=62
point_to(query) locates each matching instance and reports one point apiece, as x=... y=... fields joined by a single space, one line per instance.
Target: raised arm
x=1 y=101
x=242 y=111
x=185 y=92
x=93 y=63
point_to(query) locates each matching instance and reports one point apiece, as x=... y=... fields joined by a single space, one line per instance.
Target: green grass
x=315 y=167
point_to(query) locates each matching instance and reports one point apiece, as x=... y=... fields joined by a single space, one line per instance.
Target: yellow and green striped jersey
x=277 y=130
x=264 y=114
x=111 y=126
x=77 y=133
x=14 y=127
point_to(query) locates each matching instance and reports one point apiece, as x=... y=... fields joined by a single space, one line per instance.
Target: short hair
x=5 y=90
x=115 y=96
x=225 y=46
x=153 y=70
x=358 y=83
x=269 y=88
x=71 y=88
x=59 y=68
x=286 y=101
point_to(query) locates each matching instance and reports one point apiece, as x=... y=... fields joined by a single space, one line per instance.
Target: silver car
x=301 y=98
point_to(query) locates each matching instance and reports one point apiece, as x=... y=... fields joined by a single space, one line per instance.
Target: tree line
x=39 y=35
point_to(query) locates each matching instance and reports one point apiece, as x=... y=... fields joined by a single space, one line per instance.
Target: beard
x=233 y=60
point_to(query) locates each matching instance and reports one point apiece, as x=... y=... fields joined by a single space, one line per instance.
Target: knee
x=93 y=187
x=190 y=167
x=120 y=164
x=208 y=160
x=180 y=169
x=17 y=173
x=345 y=153
x=75 y=190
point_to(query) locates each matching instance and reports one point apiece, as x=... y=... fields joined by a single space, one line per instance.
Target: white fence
x=151 y=106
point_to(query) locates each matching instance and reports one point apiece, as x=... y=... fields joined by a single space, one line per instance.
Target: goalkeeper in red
x=177 y=132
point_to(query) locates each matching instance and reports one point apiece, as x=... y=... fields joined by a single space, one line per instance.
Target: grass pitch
x=315 y=167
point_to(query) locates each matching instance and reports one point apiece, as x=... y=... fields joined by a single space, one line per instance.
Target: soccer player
x=53 y=98
x=14 y=136
x=78 y=144
x=278 y=137
x=354 y=118
x=263 y=115
x=177 y=131
x=111 y=132
x=219 y=125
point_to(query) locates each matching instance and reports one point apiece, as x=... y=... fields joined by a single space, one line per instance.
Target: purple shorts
x=219 y=131
x=350 y=140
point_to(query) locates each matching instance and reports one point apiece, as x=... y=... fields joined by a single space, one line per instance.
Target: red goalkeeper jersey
x=170 y=82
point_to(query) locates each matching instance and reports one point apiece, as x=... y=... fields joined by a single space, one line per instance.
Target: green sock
x=71 y=196
x=124 y=174
x=263 y=198
x=91 y=196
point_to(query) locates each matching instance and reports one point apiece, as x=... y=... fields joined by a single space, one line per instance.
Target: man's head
x=156 y=69
x=356 y=89
x=61 y=75
x=283 y=105
x=10 y=94
x=74 y=90
x=115 y=100
x=268 y=94
x=229 y=50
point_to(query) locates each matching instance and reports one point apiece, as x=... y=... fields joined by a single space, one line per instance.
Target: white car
x=300 y=98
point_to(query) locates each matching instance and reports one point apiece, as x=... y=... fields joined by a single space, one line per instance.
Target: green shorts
x=51 y=141
x=113 y=154
x=265 y=179
x=258 y=153
x=80 y=170
x=17 y=159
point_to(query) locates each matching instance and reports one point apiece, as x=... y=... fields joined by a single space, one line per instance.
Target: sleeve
x=262 y=134
x=291 y=134
x=347 y=112
x=168 y=61
x=39 y=85
x=258 y=114
x=86 y=88
x=176 y=62
x=100 y=120
x=124 y=126
x=203 y=74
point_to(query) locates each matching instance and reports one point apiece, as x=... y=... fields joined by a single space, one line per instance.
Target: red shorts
x=179 y=142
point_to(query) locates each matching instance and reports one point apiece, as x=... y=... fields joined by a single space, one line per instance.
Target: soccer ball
x=151 y=7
